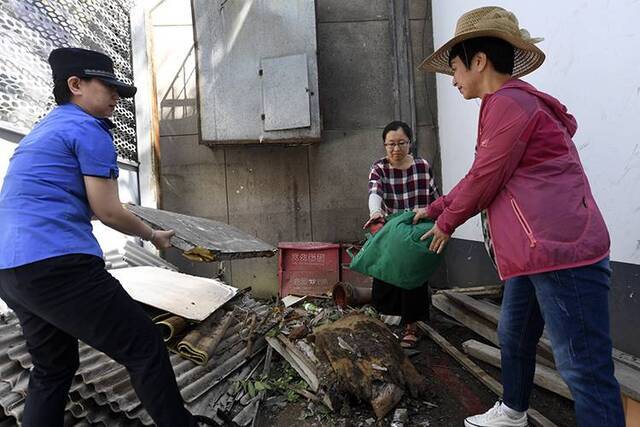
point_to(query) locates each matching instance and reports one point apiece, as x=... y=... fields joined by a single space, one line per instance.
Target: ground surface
x=452 y=395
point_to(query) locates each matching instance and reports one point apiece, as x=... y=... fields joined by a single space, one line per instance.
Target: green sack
x=396 y=255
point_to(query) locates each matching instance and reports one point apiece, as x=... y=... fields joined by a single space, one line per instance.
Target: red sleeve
x=498 y=154
x=436 y=208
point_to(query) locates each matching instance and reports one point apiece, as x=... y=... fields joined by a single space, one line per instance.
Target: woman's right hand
x=375 y=217
x=162 y=238
x=421 y=213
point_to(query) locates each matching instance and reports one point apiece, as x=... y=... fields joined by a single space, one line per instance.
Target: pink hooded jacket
x=527 y=174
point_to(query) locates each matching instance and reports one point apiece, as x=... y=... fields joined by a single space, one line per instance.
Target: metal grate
x=30 y=29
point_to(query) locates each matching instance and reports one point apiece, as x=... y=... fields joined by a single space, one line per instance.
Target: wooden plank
x=627 y=359
x=213 y=240
x=308 y=375
x=488 y=312
x=536 y=418
x=631 y=411
x=465 y=310
x=479 y=316
x=299 y=355
x=545 y=377
x=629 y=379
x=481 y=291
x=191 y=297
x=481 y=326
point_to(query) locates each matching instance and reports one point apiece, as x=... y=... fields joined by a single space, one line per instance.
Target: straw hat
x=490 y=21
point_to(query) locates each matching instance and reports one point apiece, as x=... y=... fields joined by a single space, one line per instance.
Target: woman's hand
x=439 y=241
x=161 y=238
x=375 y=217
x=420 y=214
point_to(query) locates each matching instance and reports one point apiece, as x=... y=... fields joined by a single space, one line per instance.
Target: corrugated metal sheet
x=101 y=393
x=132 y=255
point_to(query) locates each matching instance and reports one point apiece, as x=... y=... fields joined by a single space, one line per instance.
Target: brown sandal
x=409 y=337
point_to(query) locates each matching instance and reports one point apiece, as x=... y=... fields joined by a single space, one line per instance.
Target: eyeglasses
x=393 y=145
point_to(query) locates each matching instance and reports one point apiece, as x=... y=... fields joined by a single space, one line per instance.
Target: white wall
x=593 y=67
x=6 y=151
x=109 y=238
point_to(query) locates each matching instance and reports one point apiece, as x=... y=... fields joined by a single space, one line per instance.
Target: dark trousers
x=62 y=299
x=573 y=304
x=411 y=304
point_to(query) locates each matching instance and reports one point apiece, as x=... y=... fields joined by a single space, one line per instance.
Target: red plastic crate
x=307 y=268
x=346 y=275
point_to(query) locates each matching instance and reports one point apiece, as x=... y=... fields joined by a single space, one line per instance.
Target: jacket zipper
x=523 y=223
x=495 y=252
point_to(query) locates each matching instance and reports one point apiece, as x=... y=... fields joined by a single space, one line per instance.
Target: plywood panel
x=191 y=297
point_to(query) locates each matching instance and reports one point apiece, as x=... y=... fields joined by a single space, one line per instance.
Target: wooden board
x=306 y=372
x=631 y=412
x=545 y=377
x=479 y=325
x=482 y=318
x=483 y=321
x=191 y=297
x=221 y=240
x=536 y=418
x=481 y=291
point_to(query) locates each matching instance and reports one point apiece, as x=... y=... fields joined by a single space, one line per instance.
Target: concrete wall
x=596 y=77
x=316 y=192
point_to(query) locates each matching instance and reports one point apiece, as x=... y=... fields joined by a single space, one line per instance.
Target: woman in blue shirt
x=51 y=270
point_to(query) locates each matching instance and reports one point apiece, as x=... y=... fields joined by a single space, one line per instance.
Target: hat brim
x=527 y=55
x=124 y=90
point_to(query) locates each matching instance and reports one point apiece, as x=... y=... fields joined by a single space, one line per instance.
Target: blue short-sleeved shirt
x=44 y=211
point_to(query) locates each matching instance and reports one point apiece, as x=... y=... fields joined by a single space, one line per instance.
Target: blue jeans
x=573 y=304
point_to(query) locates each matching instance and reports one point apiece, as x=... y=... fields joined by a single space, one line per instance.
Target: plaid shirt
x=403 y=189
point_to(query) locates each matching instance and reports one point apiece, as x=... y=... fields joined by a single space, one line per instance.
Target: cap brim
x=124 y=90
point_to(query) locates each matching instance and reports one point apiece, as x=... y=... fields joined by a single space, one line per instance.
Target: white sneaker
x=496 y=417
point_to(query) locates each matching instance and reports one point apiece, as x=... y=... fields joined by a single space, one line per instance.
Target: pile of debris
x=222 y=364
x=344 y=356
x=102 y=393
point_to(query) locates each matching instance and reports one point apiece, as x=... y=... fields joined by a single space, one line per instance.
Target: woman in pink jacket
x=541 y=224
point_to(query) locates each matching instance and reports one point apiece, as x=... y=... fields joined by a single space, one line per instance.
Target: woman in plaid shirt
x=400 y=182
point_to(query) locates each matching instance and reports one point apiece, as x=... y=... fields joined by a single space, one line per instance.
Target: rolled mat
x=200 y=344
x=171 y=326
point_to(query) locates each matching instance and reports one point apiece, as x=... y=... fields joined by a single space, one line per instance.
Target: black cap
x=72 y=61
